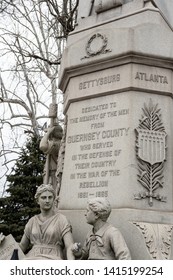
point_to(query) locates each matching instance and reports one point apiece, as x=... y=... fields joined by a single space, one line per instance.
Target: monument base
x=146 y=240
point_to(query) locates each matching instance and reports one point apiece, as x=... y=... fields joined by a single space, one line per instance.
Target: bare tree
x=32 y=37
x=65 y=13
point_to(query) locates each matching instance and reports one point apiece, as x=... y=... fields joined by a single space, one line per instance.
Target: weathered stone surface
x=166 y=7
x=100 y=150
x=104 y=5
x=7 y=248
x=117 y=80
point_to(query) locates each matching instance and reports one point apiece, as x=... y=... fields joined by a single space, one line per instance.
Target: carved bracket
x=157 y=238
x=151 y=153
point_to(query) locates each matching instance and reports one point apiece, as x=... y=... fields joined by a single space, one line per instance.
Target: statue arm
x=119 y=245
x=68 y=241
x=24 y=243
x=2 y=237
x=44 y=144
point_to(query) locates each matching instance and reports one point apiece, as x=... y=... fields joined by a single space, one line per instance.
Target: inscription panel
x=96 y=83
x=151 y=78
x=117 y=79
x=100 y=157
x=96 y=157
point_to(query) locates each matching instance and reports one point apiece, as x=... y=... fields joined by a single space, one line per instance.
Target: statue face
x=90 y=216
x=46 y=200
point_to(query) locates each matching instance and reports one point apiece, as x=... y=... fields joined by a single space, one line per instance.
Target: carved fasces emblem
x=151 y=153
x=96 y=45
x=157 y=238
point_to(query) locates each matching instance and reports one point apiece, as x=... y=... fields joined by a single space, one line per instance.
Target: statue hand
x=76 y=249
x=2 y=237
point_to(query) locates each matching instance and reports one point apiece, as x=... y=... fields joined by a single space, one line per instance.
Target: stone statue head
x=101 y=206
x=57 y=132
x=42 y=188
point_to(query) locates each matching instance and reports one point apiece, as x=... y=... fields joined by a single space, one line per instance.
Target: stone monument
x=116 y=75
x=8 y=247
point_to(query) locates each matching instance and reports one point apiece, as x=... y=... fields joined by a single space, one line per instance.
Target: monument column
x=116 y=76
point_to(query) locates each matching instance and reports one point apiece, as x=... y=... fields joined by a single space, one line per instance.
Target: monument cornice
x=93 y=26
x=113 y=61
x=125 y=89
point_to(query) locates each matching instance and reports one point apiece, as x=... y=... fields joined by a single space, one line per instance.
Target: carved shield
x=151 y=145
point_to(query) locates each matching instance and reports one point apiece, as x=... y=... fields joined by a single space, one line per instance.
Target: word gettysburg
x=99 y=82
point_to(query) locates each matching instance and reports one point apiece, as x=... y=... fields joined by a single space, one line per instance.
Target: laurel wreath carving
x=101 y=50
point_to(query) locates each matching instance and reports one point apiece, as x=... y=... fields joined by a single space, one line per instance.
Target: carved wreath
x=101 y=50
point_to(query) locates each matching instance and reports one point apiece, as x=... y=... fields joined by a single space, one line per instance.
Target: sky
x=15 y=86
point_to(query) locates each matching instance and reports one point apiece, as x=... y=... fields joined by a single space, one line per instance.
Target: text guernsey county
x=92 y=136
